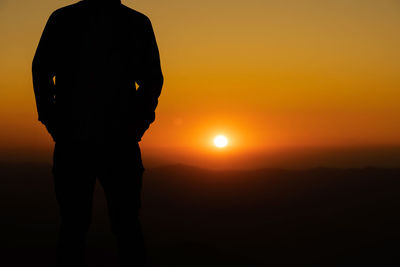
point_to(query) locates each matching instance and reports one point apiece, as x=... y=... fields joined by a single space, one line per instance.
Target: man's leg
x=122 y=184
x=74 y=185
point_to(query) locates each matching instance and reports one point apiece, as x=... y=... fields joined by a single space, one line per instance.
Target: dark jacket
x=89 y=59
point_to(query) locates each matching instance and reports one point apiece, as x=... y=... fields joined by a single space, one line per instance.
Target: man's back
x=88 y=61
x=97 y=51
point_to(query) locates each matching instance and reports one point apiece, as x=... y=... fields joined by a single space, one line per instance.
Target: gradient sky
x=266 y=73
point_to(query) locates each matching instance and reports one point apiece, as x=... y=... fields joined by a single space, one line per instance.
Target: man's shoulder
x=69 y=10
x=134 y=14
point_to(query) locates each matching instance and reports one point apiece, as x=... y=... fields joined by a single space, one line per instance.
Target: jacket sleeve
x=149 y=79
x=43 y=72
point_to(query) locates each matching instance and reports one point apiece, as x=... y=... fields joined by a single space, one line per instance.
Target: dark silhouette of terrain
x=198 y=217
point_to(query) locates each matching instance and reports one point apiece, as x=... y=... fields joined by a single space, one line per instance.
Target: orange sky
x=267 y=73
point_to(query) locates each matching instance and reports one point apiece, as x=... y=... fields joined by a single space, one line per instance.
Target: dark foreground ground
x=195 y=217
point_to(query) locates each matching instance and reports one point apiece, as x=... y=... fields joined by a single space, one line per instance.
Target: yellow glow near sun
x=220 y=141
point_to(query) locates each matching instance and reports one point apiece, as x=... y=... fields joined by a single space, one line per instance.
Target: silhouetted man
x=89 y=59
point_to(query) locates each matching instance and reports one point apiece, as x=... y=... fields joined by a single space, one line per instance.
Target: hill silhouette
x=200 y=217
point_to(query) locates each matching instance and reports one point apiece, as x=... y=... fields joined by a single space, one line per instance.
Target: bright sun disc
x=220 y=141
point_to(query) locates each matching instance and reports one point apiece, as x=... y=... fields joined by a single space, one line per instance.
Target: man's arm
x=149 y=79
x=43 y=72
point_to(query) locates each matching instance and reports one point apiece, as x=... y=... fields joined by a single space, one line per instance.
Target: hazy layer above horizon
x=284 y=158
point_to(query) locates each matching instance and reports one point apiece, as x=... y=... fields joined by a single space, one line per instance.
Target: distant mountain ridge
x=265 y=217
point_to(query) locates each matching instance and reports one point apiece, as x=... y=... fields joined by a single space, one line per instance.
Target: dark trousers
x=118 y=167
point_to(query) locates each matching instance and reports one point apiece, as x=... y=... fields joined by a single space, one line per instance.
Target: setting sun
x=220 y=141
